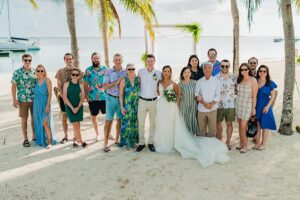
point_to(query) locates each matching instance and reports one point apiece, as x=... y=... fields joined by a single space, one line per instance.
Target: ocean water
x=168 y=50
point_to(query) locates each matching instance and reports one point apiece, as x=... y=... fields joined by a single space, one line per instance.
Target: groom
x=149 y=78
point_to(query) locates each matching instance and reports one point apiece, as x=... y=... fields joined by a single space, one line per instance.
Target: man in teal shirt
x=95 y=94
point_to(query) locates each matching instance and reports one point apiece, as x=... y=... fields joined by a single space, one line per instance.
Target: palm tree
x=193 y=28
x=236 y=36
x=285 y=6
x=108 y=17
x=70 y=10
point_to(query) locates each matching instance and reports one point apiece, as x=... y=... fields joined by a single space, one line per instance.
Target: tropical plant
x=108 y=17
x=195 y=29
x=285 y=7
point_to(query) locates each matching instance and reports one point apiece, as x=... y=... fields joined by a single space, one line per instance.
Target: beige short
x=24 y=107
x=208 y=123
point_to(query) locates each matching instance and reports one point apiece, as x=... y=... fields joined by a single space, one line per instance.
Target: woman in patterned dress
x=188 y=104
x=245 y=102
x=129 y=90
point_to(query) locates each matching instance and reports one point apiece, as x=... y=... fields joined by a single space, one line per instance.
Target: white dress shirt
x=210 y=91
x=149 y=82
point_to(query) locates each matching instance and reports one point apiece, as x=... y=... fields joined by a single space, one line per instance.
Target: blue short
x=112 y=107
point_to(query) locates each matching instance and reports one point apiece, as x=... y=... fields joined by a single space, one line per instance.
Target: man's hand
x=15 y=103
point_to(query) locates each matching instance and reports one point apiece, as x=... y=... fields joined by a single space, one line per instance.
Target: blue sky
x=213 y=15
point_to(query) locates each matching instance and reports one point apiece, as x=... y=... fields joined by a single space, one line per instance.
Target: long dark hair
x=182 y=71
x=268 y=77
x=241 y=77
x=190 y=58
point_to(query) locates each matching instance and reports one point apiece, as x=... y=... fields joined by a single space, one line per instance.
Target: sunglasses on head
x=38 y=71
x=75 y=74
x=263 y=71
x=245 y=69
x=224 y=66
x=27 y=60
x=252 y=63
x=131 y=69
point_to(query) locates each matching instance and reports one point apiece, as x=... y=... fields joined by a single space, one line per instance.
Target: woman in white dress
x=171 y=131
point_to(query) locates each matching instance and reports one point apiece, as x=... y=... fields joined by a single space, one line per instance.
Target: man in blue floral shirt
x=23 y=84
x=111 y=83
x=93 y=86
x=212 y=57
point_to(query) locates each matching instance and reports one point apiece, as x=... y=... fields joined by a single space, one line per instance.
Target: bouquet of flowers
x=170 y=95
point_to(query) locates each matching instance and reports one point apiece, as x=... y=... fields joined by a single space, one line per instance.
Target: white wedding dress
x=172 y=135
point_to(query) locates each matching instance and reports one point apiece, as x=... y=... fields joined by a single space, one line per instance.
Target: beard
x=96 y=64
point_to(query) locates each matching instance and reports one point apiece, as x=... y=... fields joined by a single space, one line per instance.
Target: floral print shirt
x=227 y=91
x=111 y=77
x=94 y=80
x=25 y=81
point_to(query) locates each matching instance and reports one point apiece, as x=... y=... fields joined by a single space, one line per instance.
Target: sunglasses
x=75 y=74
x=212 y=55
x=25 y=60
x=131 y=69
x=262 y=71
x=252 y=63
x=244 y=70
x=224 y=66
x=38 y=71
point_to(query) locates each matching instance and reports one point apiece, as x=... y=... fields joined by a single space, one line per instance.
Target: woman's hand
x=47 y=109
x=123 y=111
x=253 y=112
x=75 y=110
x=266 y=109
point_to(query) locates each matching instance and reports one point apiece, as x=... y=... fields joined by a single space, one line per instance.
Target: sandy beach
x=67 y=173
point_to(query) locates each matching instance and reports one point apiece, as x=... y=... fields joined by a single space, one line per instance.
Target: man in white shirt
x=149 y=78
x=207 y=94
x=226 y=107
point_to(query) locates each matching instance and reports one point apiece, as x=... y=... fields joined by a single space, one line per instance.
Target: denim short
x=112 y=108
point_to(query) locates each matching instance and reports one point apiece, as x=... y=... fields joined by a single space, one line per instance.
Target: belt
x=145 y=99
x=112 y=96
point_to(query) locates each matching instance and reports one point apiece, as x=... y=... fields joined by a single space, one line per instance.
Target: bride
x=171 y=131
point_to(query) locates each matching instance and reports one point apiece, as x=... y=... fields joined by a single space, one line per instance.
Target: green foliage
x=193 y=28
x=144 y=58
x=298 y=60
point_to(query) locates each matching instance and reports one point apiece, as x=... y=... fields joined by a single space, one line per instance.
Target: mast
x=8 y=17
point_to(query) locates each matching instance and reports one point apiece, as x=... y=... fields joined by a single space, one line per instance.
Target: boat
x=17 y=44
x=277 y=39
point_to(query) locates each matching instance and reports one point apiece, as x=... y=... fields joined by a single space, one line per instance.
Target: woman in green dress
x=73 y=97
x=129 y=96
x=188 y=104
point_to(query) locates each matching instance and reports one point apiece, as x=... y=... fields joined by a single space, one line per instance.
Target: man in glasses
x=94 y=91
x=63 y=75
x=253 y=62
x=226 y=106
x=23 y=83
x=111 y=83
x=212 y=57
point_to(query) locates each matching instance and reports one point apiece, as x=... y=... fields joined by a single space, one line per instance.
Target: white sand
x=67 y=173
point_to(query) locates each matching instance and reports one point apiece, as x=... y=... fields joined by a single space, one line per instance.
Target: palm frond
x=252 y=7
x=193 y=28
x=34 y=4
x=115 y=16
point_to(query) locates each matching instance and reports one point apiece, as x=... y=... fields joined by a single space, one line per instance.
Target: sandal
x=49 y=146
x=260 y=148
x=238 y=148
x=26 y=143
x=229 y=147
x=64 y=140
x=75 y=145
x=106 y=149
x=243 y=150
x=33 y=139
x=255 y=147
x=84 y=144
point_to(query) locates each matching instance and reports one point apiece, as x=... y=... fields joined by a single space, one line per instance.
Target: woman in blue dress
x=264 y=113
x=42 y=117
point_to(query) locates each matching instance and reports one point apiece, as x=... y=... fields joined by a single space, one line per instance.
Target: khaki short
x=227 y=113
x=24 y=107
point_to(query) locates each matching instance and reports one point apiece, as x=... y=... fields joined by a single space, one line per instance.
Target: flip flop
x=64 y=140
x=261 y=148
x=243 y=150
x=238 y=148
x=26 y=143
x=106 y=149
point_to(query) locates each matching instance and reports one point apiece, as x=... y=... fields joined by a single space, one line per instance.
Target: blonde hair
x=42 y=66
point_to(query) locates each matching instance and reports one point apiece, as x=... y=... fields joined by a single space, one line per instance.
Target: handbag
x=252 y=127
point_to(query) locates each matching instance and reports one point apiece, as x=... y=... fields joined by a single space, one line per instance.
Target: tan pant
x=144 y=108
x=208 y=120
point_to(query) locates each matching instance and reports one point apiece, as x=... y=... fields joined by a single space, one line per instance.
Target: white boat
x=16 y=44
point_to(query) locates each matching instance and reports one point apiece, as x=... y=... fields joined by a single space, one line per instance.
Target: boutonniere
x=154 y=77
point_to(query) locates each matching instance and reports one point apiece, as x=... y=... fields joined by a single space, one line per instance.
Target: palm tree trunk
x=195 y=47
x=286 y=124
x=72 y=29
x=104 y=30
x=236 y=36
